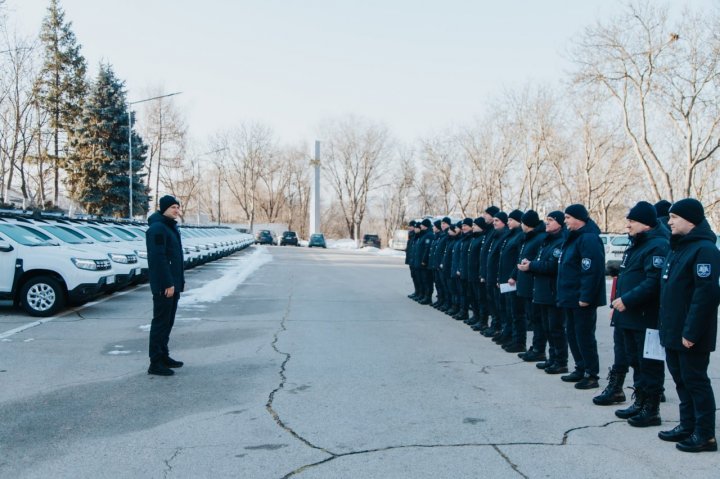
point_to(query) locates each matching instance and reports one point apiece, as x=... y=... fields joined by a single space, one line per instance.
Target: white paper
x=507 y=287
x=653 y=349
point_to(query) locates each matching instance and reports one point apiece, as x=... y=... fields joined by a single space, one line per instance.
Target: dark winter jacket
x=484 y=250
x=476 y=244
x=459 y=256
x=165 y=254
x=409 y=248
x=544 y=268
x=509 y=252
x=528 y=250
x=465 y=258
x=493 y=259
x=437 y=250
x=447 y=270
x=421 y=249
x=689 y=291
x=581 y=271
x=638 y=284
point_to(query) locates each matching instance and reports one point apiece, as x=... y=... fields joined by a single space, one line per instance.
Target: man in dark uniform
x=409 y=258
x=422 y=261
x=544 y=269
x=689 y=296
x=462 y=269
x=167 y=281
x=534 y=231
x=485 y=288
x=515 y=329
x=486 y=230
x=493 y=268
x=450 y=307
x=662 y=210
x=635 y=309
x=436 y=260
x=478 y=320
x=580 y=290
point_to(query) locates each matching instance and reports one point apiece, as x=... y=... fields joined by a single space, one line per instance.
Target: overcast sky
x=417 y=66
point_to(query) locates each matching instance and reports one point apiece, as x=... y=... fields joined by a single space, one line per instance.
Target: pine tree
x=97 y=168
x=61 y=85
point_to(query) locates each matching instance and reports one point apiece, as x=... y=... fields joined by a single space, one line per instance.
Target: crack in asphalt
x=167 y=462
x=510 y=463
x=283 y=380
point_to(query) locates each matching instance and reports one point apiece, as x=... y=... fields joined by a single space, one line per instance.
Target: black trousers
x=415 y=280
x=482 y=300
x=553 y=320
x=697 y=401
x=473 y=294
x=426 y=282
x=164 y=310
x=503 y=322
x=461 y=286
x=439 y=285
x=621 y=361
x=534 y=321
x=516 y=318
x=581 y=324
x=452 y=299
x=648 y=374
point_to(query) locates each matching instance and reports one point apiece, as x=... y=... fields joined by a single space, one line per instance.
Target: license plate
x=138 y=271
x=110 y=280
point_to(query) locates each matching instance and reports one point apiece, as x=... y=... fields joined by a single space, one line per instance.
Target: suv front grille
x=103 y=264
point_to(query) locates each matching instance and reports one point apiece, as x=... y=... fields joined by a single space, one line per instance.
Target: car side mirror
x=6 y=247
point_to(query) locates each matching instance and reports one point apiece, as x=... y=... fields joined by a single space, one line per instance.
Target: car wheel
x=42 y=296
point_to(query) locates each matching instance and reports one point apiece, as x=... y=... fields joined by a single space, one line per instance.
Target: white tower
x=315 y=193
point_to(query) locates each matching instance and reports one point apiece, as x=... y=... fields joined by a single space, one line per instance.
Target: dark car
x=264 y=237
x=317 y=239
x=289 y=237
x=371 y=240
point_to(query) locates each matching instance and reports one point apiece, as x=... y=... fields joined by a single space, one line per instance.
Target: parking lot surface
x=315 y=366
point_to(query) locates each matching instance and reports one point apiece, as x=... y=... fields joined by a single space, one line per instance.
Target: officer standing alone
x=167 y=281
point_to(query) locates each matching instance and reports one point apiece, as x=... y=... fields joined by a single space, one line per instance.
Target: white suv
x=42 y=276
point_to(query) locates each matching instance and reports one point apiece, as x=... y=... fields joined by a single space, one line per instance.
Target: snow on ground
x=350 y=245
x=237 y=272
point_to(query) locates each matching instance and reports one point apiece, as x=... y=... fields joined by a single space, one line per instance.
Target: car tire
x=42 y=296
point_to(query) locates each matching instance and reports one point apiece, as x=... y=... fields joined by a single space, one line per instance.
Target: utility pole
x=315 y=195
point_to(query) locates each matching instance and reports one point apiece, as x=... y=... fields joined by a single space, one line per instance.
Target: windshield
x=123 y=233
x=67 y=236
x=620 y=241
x=27 y=237
x=98 y=235
x=317 y=237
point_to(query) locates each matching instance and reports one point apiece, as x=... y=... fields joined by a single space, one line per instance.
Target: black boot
x=159 y=369
x=573 y=377
x=613 y=393
x=424 y=300
x=649 y=414
x=634 y=408
x=172 y=363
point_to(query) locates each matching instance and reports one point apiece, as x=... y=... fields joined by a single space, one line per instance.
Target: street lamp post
x=130 y=170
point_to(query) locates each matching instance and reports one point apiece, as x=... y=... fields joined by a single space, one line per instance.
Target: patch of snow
x=217 y=289
x=5 y=340
x=391 y=252
x=348 y=244
x=188 y=319
x=28 y=340
x=118 y=352
x=144 y=327
x=118 y=346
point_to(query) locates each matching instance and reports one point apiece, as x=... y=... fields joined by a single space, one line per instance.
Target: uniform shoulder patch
x=658 y=261
x=586 y=263
x=427 y=241
x=703 y=270
x=557 y=252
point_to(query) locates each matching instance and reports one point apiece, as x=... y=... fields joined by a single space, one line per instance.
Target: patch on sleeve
x=159 y=239
x=557 y=252
x=703 y=270
x=658 y=261
x=586 y=263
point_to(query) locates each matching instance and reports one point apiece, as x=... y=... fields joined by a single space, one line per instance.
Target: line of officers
x=505 y=274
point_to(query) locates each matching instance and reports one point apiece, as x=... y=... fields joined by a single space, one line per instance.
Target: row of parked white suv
x=47 y=262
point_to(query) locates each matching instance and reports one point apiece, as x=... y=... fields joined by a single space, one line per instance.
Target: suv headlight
x=141 y=254
x=118 y=258
x=88 y=264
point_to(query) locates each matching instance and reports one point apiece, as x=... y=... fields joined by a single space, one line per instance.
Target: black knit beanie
x=492 y=210
x=558 y=216
x=447 y=220
x=502 y=216
x=690 y=209
x=531 y=219
x=578 y=211
x=662 y=208
x=516 y=215
x=426 y=223
x=643 y=212
x=166 y=202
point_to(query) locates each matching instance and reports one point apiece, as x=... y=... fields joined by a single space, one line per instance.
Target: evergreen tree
x=97 y=168
x=61 y=86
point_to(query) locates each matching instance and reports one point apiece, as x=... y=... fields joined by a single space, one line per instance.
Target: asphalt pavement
x=316 y=366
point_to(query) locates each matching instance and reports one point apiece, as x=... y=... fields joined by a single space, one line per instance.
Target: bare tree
x=357 y=153
x=654 y=74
